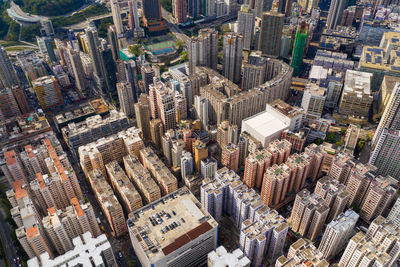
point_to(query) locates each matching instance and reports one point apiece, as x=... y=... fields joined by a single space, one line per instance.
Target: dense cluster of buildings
x=271 y=112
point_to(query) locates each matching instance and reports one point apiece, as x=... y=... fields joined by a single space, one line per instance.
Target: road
x=7 y=241
x=172 y=26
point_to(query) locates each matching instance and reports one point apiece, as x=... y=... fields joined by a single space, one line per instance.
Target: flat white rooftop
x=263 y=125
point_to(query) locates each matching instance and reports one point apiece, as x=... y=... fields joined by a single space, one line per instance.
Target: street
x=9 y=250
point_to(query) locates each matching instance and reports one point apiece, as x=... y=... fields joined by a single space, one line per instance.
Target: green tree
x=184 y=56
x=167 y=5
x=318 y=141
x=29 y=33
x=330 y=138
x=135 y=49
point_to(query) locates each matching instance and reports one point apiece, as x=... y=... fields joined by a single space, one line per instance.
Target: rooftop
x=169 y=223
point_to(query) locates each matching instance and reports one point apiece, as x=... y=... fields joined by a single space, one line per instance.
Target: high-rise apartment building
x=335 y=14
x=127 y=194
x=386 y=155
x=302 y=253
x=334 y=194
x=394 y=214
x=162 y=105
x=246 y=20
x=152 y=15
x=374 y=247
x=337 y=234
x=187 y=164
x=391 y=116
x=188 y=242
x=162 y=175
x=271 y=32
x=97 y=154
x=254 y=71
x=341 y=167
x=126 y=100
x=264 y=236
x=108 y=202
x=203 y=50
x=180 y=9
x=255 y=166
x=275 y=184
x=230 y=156
x=142 y=114
x=208 y=167
x=308 y=215
x=232 y=56
x=227 y=133
x=379 y=196
x=48 y=92
x=8 y=75
x=356 y=97
x=142 y=179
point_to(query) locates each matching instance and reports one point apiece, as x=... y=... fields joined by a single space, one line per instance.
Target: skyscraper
x=112 y=38
x=254 y=71
x=148 y=74
x=193 y=8
x=261 y=6
x=93 y=43
x=142 y=113
x=45 y=45
x=271 y=32
x=298 y=49
x=8 y=76
x=391 y=116
x=203 y=50
x=386 y=155
x=125 y=97
x=133 y=21
x=335 y=13
x=179 y=8
x=201 y=108
x=116 y=14
x=128 y=73
x=232 y=56
x=8 y=105
x=77 y=69
x=108 y=71
x=246 y=20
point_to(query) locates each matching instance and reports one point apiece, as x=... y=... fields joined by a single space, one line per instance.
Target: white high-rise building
x=394 y=214
x=116 y=14
x=338 y=233
x=187 y=165
x=313 y=101
x=201 y=107
x=208 y=167
x=335 y=13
